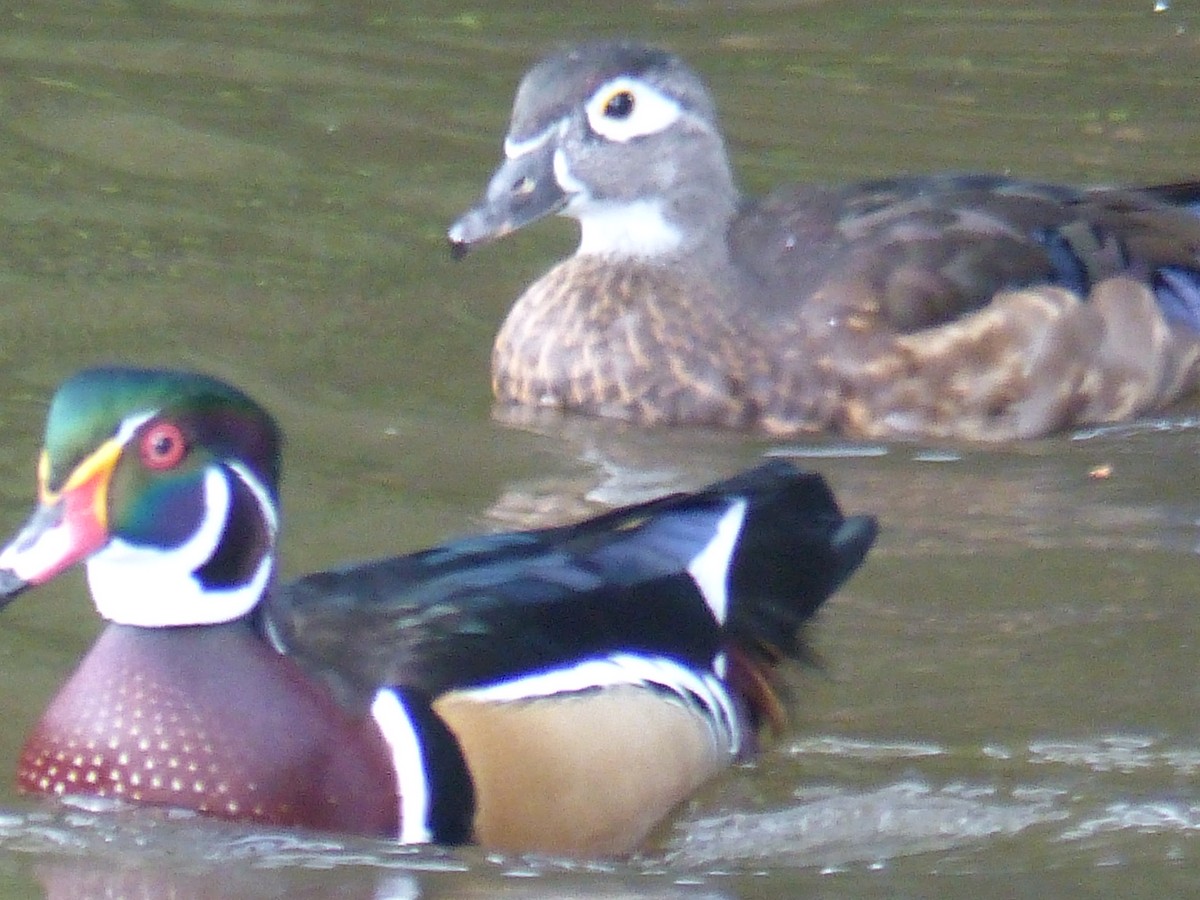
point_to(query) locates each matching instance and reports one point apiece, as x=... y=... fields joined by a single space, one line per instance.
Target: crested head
x=622 y=137
x=166 y=484
x=553 y=88
x=91 y=406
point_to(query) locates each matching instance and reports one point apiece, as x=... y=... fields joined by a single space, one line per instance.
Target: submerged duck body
x=558 y=690
x=965 y=306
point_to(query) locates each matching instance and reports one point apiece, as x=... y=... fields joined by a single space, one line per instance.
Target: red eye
x=163 y=445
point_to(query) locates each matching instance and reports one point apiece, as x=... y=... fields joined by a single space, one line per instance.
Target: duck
x=557 y=690
x=957 y=306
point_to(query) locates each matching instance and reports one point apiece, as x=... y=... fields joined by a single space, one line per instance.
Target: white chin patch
x=154 y=588
x=609 y=228
x=635 y=228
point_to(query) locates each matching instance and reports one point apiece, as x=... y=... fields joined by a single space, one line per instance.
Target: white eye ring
x=624 y=109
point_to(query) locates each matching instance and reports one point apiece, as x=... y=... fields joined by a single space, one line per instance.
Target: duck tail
x=794 y=549
x=1184 y=194
x=1175 y=279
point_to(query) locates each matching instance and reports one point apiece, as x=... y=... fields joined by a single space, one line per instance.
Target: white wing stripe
x=710 y=567
x=693 y=688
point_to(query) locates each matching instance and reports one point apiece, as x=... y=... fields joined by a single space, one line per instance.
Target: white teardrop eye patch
x=624 y=109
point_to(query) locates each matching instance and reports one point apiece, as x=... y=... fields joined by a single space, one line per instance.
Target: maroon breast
x=211 y=719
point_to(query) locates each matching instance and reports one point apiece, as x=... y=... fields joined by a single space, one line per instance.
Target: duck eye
x=625 y=109
x=163 y=446
x=619 y=105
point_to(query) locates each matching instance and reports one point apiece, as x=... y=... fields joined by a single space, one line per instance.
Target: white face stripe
x=710 y=567
x=649 y=112
x=570 y=185
x=693 y=687
x=131 y=423
x=400 y=734
x=153 y=588
x=514 y=148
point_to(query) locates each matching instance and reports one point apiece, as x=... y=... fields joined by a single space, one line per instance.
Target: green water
x=260 y=189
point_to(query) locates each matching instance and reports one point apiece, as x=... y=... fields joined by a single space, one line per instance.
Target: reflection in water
x=1036 y=495
x=81 y=880
x=81 y=855
x=98 y=849
x=849 y=828
x=260 y=189
x=132 y=854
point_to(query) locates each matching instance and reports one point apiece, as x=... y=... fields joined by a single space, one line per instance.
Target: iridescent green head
x=91 y=407
x=165 y=482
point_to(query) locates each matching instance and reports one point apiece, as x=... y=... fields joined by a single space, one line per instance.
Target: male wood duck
x=557 y=690
x=972 y=307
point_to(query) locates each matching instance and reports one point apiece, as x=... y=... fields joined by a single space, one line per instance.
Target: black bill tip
x=11 y=585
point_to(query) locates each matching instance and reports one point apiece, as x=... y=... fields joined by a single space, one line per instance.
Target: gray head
x=622 y=137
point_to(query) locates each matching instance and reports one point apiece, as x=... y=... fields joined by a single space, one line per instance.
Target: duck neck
x=688 y=220
x=219 y=573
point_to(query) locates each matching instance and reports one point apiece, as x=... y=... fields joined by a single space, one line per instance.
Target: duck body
x=967 y=306
x=558 y=690
x=181 y=717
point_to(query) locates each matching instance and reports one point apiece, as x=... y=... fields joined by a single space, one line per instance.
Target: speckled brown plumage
x=1031 y=362
x=962 y=306
x=622 y=342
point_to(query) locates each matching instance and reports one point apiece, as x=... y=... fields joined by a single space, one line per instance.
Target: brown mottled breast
x=211 y=719
x=628 y=342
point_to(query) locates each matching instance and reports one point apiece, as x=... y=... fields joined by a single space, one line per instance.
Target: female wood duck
x=968 y=306
x=558 y=690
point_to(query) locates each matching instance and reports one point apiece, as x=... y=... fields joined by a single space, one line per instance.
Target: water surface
x=1008 y=699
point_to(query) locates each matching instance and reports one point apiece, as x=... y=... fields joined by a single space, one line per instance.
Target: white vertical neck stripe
x=412 y=782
